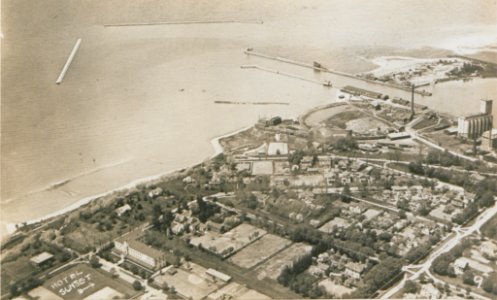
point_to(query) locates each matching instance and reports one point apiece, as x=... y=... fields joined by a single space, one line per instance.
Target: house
x=122 y=209
x=429 y=291
x=216 y=227
x=489 y=249
x=138 y=252
x=462 y=263
x=177 y=228
x=188 y=179
x=354 y=270
x=358 y=165
x=371 y=213
x=155 y=192
x=42 y=259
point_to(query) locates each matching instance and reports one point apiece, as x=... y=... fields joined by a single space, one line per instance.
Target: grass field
x=260 y=250
x=82 y=281
x=273 y=267
x=16 y=270
x=234 y=290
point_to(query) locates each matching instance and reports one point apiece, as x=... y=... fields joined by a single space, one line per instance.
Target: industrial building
x=360 y=92
x=489 y=140
x=473 y=126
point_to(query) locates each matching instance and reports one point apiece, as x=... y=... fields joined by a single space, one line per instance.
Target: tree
x=468 y=277
x=486 y=200
x=441 y=264
x=94 y=262
x=14 y=290
x=411 y=287
x=345 y=196
x=137 y=285
x=345 y=143
x=488 y=284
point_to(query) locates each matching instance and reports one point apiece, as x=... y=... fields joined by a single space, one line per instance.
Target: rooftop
x=41 y=258
x=277 y=149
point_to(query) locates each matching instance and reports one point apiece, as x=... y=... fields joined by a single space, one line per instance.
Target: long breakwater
x=326 y=70
x=323 y=83
x=68 y=62
x=185 y=23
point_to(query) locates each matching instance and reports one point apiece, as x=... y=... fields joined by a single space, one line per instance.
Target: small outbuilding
x=42 y=259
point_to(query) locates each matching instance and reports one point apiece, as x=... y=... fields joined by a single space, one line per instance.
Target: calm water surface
x=139 y=101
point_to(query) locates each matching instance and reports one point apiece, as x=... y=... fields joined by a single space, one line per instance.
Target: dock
x=323 y=83
x=322 y=69
x=185 y=23
x=68 y=62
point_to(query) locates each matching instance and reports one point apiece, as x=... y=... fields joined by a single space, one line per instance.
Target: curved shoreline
x=11 y=228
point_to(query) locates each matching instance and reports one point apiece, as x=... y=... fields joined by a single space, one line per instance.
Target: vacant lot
x=262 y=168
x=260 y=250
x=229 y=242
x=82 y=281
x=234 y=290
x=273 y=267
x=365 y=124
x=190 y=283
x=16 y=270
x=340 y=120
x=319 y=116
x=333 y=288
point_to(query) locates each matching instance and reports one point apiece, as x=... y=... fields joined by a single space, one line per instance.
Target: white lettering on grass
x=71 y=282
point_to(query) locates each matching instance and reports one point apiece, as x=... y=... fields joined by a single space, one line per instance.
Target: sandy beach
x=10 y=228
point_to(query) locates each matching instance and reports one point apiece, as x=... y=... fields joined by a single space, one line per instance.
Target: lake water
x=139 y=101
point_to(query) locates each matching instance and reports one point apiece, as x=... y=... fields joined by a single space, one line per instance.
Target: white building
x=122 y=209
x=129 y=246
x=277 y=149
x=472 y=126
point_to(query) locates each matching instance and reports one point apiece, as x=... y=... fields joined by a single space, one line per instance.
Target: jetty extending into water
x=323 y=83
x=185 y=23
x=68 y=62
x=316 y=67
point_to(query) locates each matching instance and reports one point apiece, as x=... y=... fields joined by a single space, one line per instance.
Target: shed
x=218 y=275
x=41 y=259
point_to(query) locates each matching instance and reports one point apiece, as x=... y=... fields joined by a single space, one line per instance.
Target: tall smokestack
x=412 y=101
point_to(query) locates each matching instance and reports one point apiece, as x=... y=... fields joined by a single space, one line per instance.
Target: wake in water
x=64 y=182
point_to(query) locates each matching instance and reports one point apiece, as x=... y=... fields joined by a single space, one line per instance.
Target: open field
x=262 y=168
x=193 y=283
x=364 y=124
x=82 y=281
x=273 y=267
x=42 y=292
x=334 y=289
x=319 y=116
x=449 y=141
x=229 y=242
x=260 y=250
x=236 y=291
x=16 y=270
